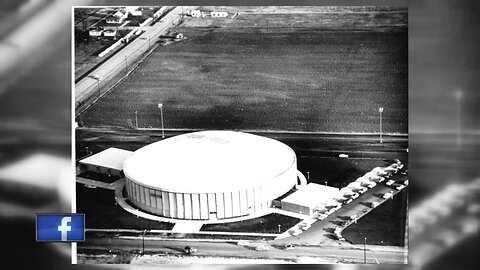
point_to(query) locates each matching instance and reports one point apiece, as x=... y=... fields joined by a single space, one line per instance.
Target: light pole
x=143 y=241
x=458 y=98
x=160 y=106
x=308 y=175
x=365 y=250
x=98 y=88
x=380 y=110
x=126 y=64
x=279 y=228
x=136 y=119
x=326 y=183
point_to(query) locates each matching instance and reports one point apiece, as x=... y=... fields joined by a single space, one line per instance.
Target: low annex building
x=109 y=161
x=304 y=200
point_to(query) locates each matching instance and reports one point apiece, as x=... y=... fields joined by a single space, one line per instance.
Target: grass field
x=265 y=224
x=287 y=72
x=385 y=225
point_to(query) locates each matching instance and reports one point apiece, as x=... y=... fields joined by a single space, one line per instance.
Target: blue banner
x=61 y=227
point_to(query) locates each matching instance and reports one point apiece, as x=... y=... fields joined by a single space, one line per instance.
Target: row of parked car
x=300 y=228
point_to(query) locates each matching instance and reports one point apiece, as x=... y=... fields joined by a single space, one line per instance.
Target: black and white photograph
x=253 y=135
x=242 y=134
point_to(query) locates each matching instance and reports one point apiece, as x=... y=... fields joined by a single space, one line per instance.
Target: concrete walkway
x=187 y=227
x=99 y=184
x=288 y=213
x=169 y=232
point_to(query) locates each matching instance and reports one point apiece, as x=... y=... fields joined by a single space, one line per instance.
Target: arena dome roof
x=209 y=162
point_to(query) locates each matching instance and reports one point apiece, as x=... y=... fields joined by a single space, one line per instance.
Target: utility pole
x=160 y=106
x=136 y=120
x=380 y=110
x=126 y=65
x=458 y=98
x=365 y=250
x=143 y=241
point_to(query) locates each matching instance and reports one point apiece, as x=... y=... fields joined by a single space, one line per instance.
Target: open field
x=265 y=224
x=289 y=72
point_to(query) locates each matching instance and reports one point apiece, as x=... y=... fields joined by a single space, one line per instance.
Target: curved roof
x=209 y=161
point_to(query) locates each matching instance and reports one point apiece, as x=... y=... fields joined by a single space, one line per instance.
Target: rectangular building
x=109 y=161
x=304 y=200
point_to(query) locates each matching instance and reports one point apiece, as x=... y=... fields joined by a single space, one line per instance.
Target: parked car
x=362 y=190
x=374 y=204
x=322 y=216
x=347 y=201
x=369 y=184
x=354 y=196
x=389 y=182
x=341 y=238
x=305 y=226
x=405 y=182
x=319 y=209
x=390 y=170
x=387 y=195
x=261 y=248
x=190 y=250
x=288 y=247
x=399 y=186
x=295 y=232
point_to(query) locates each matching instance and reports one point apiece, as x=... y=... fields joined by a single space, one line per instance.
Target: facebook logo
x=61 y=227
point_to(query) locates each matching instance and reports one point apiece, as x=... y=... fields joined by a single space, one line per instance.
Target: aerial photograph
x=241 y=134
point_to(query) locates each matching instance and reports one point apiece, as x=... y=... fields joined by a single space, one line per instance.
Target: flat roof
x=111 y=158
x=313 y=195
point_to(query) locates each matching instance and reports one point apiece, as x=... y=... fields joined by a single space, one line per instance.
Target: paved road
x=85 y=87
x=332 y=254
x=304 y=144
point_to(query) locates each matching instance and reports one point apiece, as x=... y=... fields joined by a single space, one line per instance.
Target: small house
x=95 y=32
x=134 y=11
x=117 y=18
x=110 y=33
x=196 y=13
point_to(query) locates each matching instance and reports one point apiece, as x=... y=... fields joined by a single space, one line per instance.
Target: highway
x=223 y=249
x=85 y=87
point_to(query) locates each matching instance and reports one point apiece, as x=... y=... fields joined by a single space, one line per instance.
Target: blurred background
x=35 y=128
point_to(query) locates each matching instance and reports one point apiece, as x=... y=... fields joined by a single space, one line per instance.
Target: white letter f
x=64 y=228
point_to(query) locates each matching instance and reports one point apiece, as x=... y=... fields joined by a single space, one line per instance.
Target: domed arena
x=209 y=175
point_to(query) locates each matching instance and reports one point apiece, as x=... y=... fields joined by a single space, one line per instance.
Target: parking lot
x=327 y=230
